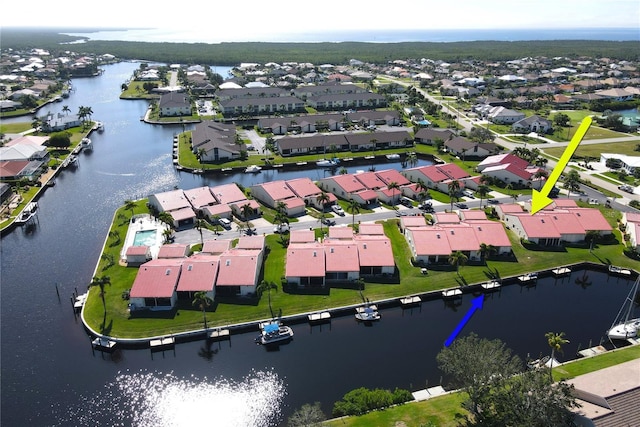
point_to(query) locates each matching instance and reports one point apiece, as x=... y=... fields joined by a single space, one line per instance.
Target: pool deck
x=143 y=223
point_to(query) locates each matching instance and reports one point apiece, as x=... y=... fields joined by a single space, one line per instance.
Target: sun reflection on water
x=152 y=399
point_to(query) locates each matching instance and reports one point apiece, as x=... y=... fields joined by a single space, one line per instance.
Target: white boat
x=529 y=277
x=274 y=332
x=392 y=156
x=253 y=169
x=368 y=314
x=326 y=163
x=28 y=212
x=86 y=143
x=624 y=326
x=620 y=271
x=100 y=126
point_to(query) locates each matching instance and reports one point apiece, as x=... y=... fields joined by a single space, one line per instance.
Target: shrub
x=362 y=400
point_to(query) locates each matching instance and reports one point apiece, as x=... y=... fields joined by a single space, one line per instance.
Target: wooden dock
x=409 y=301
x=618 y=271
x=528 y=278
x=103 y=344
x=563 y=271
x=79 y=301
x=324 y=316
x=219 y=334
x=593 y=351
x=451 y=293
x=491 y=285
x=162 y=343
x=363 y=308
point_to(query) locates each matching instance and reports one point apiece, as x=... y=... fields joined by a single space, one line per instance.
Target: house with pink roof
x=534 y=228
x=472 y=215
x=174 y=250
x=392 y=175
x=275 y=192
x=631 y=222
x=228 y=193
x=511 y=169
x=217 y=211
x=342 y=262
x=371 y=229
x=375 y=255
x=216 y=247
x=308 y=191
x=370 y=180
x=239 y=272
x=591 y=219
x=199 y=198
x=507 y=208
x=251 y=242
x=305 y=265
x=462 y=238
x=302 y=236
x=155 y=285
x=446 y=218
x=411 y=222
x=231 y=196
x=429 y=245
x=341 y=233
x=198 y=274
x=176 y=203
x=137 y=255
x=439 y=176
x=491 y=233
x=348 y=187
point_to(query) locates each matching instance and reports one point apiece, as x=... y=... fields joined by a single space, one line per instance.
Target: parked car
x=225 y=223
x=493 y=201
x=281 y=228
x=405 y=201
x=338 y=209
x=469 y=194
x=328 y=221
x=462 y=205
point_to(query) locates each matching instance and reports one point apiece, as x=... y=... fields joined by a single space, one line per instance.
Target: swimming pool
x=145 y=238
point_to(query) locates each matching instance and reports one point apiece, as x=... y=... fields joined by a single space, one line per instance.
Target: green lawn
x=594 y=150
x=590 y=364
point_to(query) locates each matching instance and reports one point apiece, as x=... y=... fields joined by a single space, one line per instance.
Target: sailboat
x=624 y=327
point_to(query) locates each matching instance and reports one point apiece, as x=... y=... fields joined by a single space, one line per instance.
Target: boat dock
x=618 y=271
x=409 y=301
x=491 y=285
x=592 y=351
x=162 y=343
x=362 y=309
x=528 y=278
x=78 y=302
x=562 y=271
x=451 y=293
x=219 y=334
x=103 y=344
x=324 y=316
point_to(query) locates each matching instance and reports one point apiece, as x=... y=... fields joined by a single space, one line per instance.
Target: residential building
x=533 y=123
x=154 y=287
x=198 y=274
x=273 y=193
x=174 y=104
x=213 y=142
x=174 y=202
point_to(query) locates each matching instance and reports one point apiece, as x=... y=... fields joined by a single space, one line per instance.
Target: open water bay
x=51 y=377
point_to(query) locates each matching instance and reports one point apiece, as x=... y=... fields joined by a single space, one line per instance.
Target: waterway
x=51 y=377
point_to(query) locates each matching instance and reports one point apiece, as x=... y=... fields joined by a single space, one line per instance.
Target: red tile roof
x=369 y=228
x=174 y=250
x=156 y=279
x=370 y=180
x=305 y=260
x=374 y=251
x=340 y=233
x=199 y=273
x=303 y=187
x=238 y=267
x=216 y=247
x=341 y=257
x=391 y=175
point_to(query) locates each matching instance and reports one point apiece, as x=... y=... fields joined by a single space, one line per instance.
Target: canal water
x=50 y=376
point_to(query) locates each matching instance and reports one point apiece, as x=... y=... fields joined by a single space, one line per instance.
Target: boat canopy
x=271 y=327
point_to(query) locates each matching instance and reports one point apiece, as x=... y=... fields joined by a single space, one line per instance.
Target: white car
x=338 y=209
x=281 y=228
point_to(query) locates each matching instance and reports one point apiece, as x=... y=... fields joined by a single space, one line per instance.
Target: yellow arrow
x=540 y=199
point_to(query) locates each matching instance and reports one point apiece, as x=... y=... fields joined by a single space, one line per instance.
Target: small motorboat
x=367 y=314
x=274 y=332
x=253 y=169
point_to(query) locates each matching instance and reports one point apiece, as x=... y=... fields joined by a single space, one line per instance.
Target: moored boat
x=368 y=314
x=624 y=326
x=327 y=163
x=86 y=143
x=28 y=212
x=274 y=332
x=253 y=169
x=394 y=156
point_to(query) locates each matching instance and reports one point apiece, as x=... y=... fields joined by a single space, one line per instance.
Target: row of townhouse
x=214 y=141
x=310 y=123
x=294 y=195
x=561 y=222
x=222 y=201
x=219 y=269
x=24 y=157
x=368 y=188
x=432 y=244
x=343 y=257
x=354 y=142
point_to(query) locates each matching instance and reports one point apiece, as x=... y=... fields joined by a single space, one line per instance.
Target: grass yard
x=591 y=364
x=594 y=150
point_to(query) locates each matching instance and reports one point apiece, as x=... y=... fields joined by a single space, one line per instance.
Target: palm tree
x=166 y=218
x=202 y=300
x=130 y=205
x=483 y=191
x=555 y=341
x=540 y=173
x=216 y=221
x=323 y=199
x=167 y=233
x=572 y=182
x=393 y=186
x=457 y=259
x=66 y=109
x=412 y=159
x=486 y=250
x=101 y=282
x=246 y=211
x=267 y=286
x=199 y=225
x=454 y=189
x=354 y=207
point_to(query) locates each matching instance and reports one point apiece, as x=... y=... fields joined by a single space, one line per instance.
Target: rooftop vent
x=190 y=267
x=228 y=263
x=315 y=254
x=168 y=272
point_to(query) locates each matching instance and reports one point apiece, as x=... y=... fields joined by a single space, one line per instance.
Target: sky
x=295 y=16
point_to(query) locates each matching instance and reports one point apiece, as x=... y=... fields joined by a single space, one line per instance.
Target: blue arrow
x=476 y=304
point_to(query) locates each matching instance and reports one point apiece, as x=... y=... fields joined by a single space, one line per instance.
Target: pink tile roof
x=137 y=250
x=216 y=247
x=433 y=173
x=430 y=241
x=183 y=213
x=156 y=279
x=446 y=218
x=172 y=200
x=491 y=233
x=251 y=242
x=302 y=236
x=566 y=222
x=369 y=228
x=253 y=204
x=473 y=214
x=303 y=187
x=348 y=183
x=453 y=171
x=228 y=193
x=461 y=237
x=564 y=203
x=391 y=175
x=174 y=250
x=238 y=267
x=222 y=210
x=294 y=202
x=305 y=260
x=632 y=217
x=370 y=180
x=366 y=195
x=199 y=273
x=374 y=251
x=340 y=233
x=412 y=221
x=199 y=197
x=538 y=226
x=509 y=208
x=277 y=190
x=591 y=219
x=341 y=257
